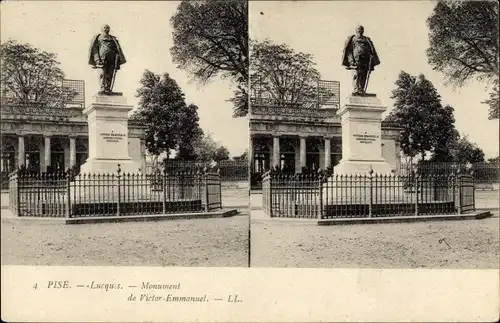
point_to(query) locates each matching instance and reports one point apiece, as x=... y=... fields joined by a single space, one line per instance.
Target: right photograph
x=374 y=137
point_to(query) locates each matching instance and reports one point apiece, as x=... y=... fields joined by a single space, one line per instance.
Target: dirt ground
x=487 y=199
x=447 y=244
x=194 y=243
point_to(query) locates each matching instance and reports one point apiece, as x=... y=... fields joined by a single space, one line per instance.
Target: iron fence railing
x=229 y=170
x=483 y=173
x=4 y=178
x=319 y=196
x=68 y=195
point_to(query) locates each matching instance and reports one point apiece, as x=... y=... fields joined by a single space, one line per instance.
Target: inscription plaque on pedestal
x=362 y=137
x=107 y=117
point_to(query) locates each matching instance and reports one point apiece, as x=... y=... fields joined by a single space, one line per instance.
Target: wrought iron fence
x=68 y=195
x=229 y=170
x=4 y=177
x=483 y=173
x=319 y=196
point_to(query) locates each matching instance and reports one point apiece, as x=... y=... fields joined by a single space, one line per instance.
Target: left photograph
x=124 y=140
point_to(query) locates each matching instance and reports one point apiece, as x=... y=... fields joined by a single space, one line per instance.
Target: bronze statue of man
x=361 y=57
x=106 y=54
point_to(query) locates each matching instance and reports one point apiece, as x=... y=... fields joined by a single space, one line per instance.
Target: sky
x=400 y=35
x=145 y=35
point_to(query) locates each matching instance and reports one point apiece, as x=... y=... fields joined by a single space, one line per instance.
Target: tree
x=240 y=101
x=207 y=149
x=188 y=133
x=495 y=160
x=210 y=39
x=493 y=102
x=426 y=125
x=243 y=156
x=463 y=43
x=30 y=75
x=170 y=123
x=285 y=76
x=221 y=154
x=464 y=152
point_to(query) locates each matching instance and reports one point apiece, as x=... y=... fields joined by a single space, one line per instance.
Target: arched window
x=8 y=156
x=335 y=150
x=287 y=154
x=261 y=157
x=32 y=152
x=81 y=155
x=312 y=153
x=57 y=162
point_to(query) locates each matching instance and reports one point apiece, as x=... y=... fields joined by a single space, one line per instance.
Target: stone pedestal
x=107 y=118
x=361 y=151
x=361 y=137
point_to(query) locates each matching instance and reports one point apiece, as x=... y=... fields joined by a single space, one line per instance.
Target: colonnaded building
x=298 y=135
x=47 y=138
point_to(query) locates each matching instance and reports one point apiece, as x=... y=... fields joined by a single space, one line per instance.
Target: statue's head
x=360 y=30
x=106 y=29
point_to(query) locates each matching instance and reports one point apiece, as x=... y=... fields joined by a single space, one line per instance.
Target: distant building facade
x=295 y=137
x=53 y=138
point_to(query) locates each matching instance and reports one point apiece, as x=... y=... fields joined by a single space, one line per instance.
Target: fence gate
x=466 y=193
x=213 y=192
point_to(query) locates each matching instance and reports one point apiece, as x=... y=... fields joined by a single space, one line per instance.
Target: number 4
x=35 y=286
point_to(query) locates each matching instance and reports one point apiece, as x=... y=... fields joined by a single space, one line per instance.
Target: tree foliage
x=171 y=123
x=31 y=75
x=240 y=101
x=463 y=43
x=495 y=160
x=211 y=38
x=493 y=102
x=283 y=75
x=207 y=149
x=426 y=125
x=243 y=156
x=464 y=151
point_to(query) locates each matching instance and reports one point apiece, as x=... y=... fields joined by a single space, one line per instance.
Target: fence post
x=219 y=182
x=459 y=186
x=320 y=180
x=454 y=190
x=206 y=191
x=370 y=201
x=416 y=192
x=68 y=191
x=18 y=195
x=270 y=204
x=164 y=190
x=473 y=190
x=118 y=200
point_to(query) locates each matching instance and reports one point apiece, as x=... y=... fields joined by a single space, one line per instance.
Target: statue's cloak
x=348 y=51
x=94 y=49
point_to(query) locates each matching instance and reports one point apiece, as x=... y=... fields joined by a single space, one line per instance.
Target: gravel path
x=198 y=242
x=472 y=244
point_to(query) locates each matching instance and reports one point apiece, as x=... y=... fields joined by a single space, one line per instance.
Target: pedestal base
x=363 y=167
x=110 y=166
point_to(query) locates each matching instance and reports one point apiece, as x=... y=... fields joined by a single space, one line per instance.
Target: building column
x=142 y=149
x=47 y=152
x=302 y=152
x=250 y=155
x=328 y=154
x=398 y=157
x=21 y=158
x=72 y=151
x=276 y=152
